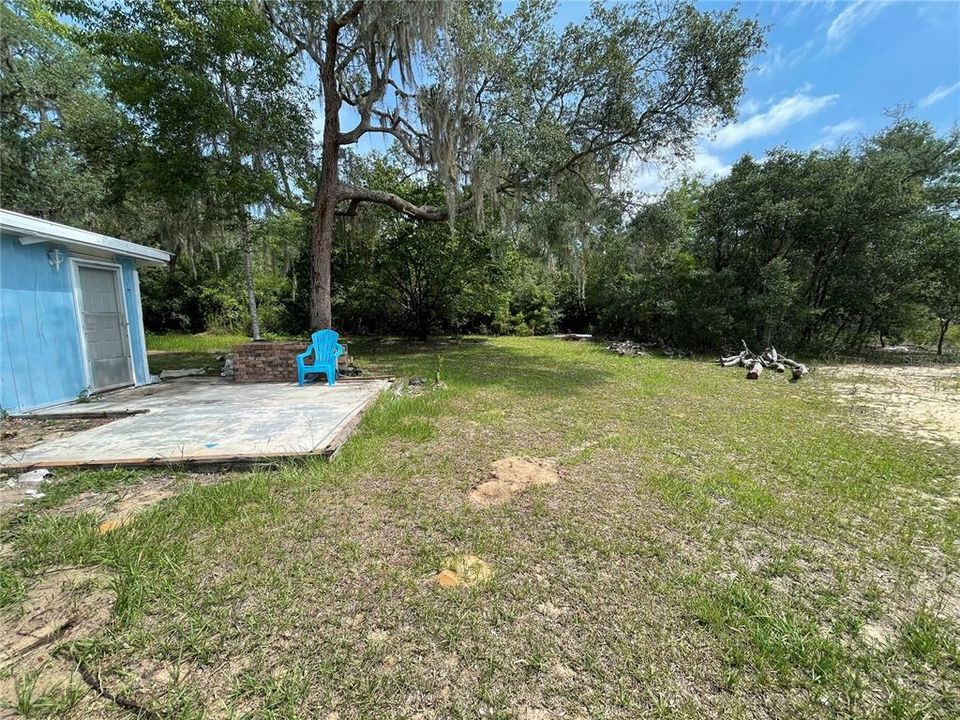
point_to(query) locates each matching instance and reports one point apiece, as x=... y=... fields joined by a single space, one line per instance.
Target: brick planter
x=271 y=361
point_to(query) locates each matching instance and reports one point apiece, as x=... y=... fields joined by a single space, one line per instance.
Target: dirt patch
x=465 y=570
x=62 y=606
x=129 y=504
x=878 y=635
x=149 y=680
x=111 y=508
x=923 y=402
x=511 y=476
x=21 y=433
x=116 y=507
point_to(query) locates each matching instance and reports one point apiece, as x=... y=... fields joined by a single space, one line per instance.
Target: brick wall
x=270 y=361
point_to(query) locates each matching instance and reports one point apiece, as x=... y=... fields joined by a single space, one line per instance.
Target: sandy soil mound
x=511 y=476
x=466 y=570
x=923 y=402
x=62 y=606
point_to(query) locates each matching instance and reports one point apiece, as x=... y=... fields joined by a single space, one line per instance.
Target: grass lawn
x=203 y=343
x=715 y=548
x=179 y=352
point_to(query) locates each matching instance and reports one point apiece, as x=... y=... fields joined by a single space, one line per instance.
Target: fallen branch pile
x=627 y=347
x=769 y=359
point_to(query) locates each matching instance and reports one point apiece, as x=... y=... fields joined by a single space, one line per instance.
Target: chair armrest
x=305 y=355
x=338 y=350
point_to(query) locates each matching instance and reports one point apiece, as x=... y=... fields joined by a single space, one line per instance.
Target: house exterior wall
x=41 y=357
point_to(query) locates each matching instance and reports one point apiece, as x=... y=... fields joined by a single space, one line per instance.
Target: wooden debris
x=769 y=359
x=627 y=347
x=798 y=369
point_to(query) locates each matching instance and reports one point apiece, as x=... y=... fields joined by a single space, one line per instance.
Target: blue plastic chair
x=325 y=350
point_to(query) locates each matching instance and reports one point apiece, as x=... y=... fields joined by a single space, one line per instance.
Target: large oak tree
x=493 y=104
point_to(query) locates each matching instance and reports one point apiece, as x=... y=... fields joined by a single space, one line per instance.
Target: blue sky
x=829 y=73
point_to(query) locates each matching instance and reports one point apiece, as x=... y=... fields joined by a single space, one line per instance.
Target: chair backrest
x=324 y=343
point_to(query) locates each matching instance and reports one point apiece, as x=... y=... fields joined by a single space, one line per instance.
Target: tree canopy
x=238 y=136
x=503 y=104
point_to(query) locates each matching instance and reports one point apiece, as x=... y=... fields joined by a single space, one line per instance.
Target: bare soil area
x=62 y=606
x=21 y=433
x=116 y=507
x=512 y=476
x=922 y=402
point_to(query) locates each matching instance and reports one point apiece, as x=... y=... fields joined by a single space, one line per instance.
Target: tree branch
x=382 y=197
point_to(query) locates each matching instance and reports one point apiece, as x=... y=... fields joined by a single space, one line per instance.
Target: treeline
x=818 y=250
x=815 y=250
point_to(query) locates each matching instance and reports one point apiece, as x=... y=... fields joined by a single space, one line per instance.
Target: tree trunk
x=944 y=326
x=327 y=195
x=248 y=272
x=321 y=247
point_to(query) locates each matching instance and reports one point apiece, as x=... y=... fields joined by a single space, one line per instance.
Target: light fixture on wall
x=55 y=257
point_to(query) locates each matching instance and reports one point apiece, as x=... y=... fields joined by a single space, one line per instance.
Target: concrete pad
x=206 y=421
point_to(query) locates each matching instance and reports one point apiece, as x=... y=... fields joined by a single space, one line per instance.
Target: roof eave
x=31 y=230
x=140 y=253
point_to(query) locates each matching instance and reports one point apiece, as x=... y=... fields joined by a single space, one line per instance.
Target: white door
x=104 y=327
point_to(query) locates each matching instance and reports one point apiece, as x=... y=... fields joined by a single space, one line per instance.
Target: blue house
x=70 y=316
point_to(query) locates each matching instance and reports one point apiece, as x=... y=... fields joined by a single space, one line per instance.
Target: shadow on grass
x=475 y=363
x=207 y=361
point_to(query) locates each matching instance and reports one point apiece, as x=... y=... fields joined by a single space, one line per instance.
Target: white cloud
x=652 y=179
x=643 y=179
x=844 y=128
x=780 y=115
x=708 y=164
x=938 y=94
x=797 y=8
x=833 y=134
x=776 y=59
x=852 y=19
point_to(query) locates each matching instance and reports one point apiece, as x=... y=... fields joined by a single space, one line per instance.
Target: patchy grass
x=210 y=363
x=180 y=352
x=67 y=485
x=714 y=548
x=931 y=639
x=11 y=587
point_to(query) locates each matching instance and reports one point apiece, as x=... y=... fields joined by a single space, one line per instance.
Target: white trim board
x=143 y=329
x=30 y=231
